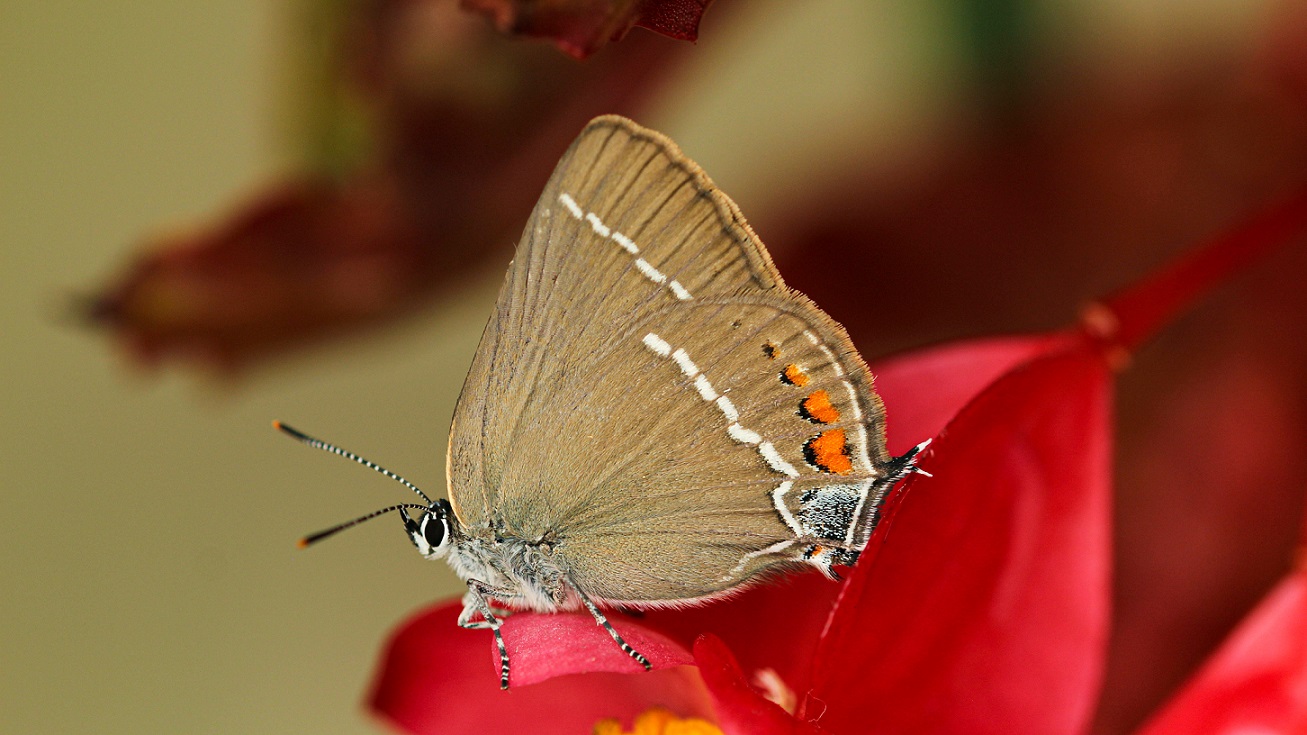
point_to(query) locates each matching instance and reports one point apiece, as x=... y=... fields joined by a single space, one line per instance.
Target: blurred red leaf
x=468 y=126
x=581 y=27
x=303 y=259
x=1055 y=196
x=439 y=678
x=1256 y=682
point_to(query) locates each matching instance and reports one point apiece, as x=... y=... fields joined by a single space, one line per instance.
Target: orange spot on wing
x=794 y=375
x=771 y=350
x=829 y=451
x=817 y=407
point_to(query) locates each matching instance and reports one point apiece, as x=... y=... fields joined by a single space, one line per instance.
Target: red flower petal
x=774 y=625
x=581 y=27
x=1257 y=682
x=986 y=608
x=1015 y=521
x=438 y=678
x=741 y=710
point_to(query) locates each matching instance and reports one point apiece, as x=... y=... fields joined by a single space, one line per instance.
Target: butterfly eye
x=434 y=530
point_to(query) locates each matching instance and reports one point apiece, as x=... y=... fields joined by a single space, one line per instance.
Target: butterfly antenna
x=316 y=537
x=319 y=444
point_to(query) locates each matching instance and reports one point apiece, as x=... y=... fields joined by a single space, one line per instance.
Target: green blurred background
x=150 y=578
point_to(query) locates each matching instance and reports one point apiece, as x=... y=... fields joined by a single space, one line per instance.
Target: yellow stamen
x=652 y=722
x=658 y=721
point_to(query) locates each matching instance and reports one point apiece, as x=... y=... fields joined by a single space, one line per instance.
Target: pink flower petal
x=435 y=677
x=1256 y=684
x=544 y=646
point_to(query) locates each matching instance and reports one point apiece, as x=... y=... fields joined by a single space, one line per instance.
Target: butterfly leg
x=617 y=638
x=477 y=600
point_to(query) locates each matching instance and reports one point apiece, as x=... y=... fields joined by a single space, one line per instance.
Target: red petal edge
x=435 y=677
x=924 y=390
x=1256 y=683
x=986 y=608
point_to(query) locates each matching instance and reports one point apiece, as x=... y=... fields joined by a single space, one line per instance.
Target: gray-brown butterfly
x=652 y=417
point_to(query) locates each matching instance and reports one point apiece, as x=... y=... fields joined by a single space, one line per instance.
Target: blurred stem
x=1128 y=318
x=328 y=128
x=997 y=36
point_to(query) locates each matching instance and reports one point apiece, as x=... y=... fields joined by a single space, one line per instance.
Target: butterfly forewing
x=575 y=276
x=650 y=395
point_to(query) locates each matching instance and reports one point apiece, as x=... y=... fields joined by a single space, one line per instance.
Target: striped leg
x=603 y=622
x=475 y=601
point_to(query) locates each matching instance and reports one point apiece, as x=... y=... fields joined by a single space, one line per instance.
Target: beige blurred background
x=147 y=523
x=151 y=582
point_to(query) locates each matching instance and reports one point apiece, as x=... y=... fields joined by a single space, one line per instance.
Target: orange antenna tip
x=302 y=543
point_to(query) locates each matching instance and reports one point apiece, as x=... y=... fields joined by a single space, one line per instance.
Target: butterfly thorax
x=514 y=564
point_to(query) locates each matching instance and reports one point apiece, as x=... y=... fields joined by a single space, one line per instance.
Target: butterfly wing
x=576 y=274
x=652 y=397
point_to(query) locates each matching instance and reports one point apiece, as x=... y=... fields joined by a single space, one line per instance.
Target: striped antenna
x=319 y=444
x=316 y=537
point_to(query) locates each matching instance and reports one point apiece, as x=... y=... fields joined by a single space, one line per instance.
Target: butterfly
x=652 y=418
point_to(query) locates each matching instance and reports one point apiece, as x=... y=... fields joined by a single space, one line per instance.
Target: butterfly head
x=434 y=530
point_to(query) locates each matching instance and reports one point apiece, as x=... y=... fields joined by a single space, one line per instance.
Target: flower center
x=658 y=721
